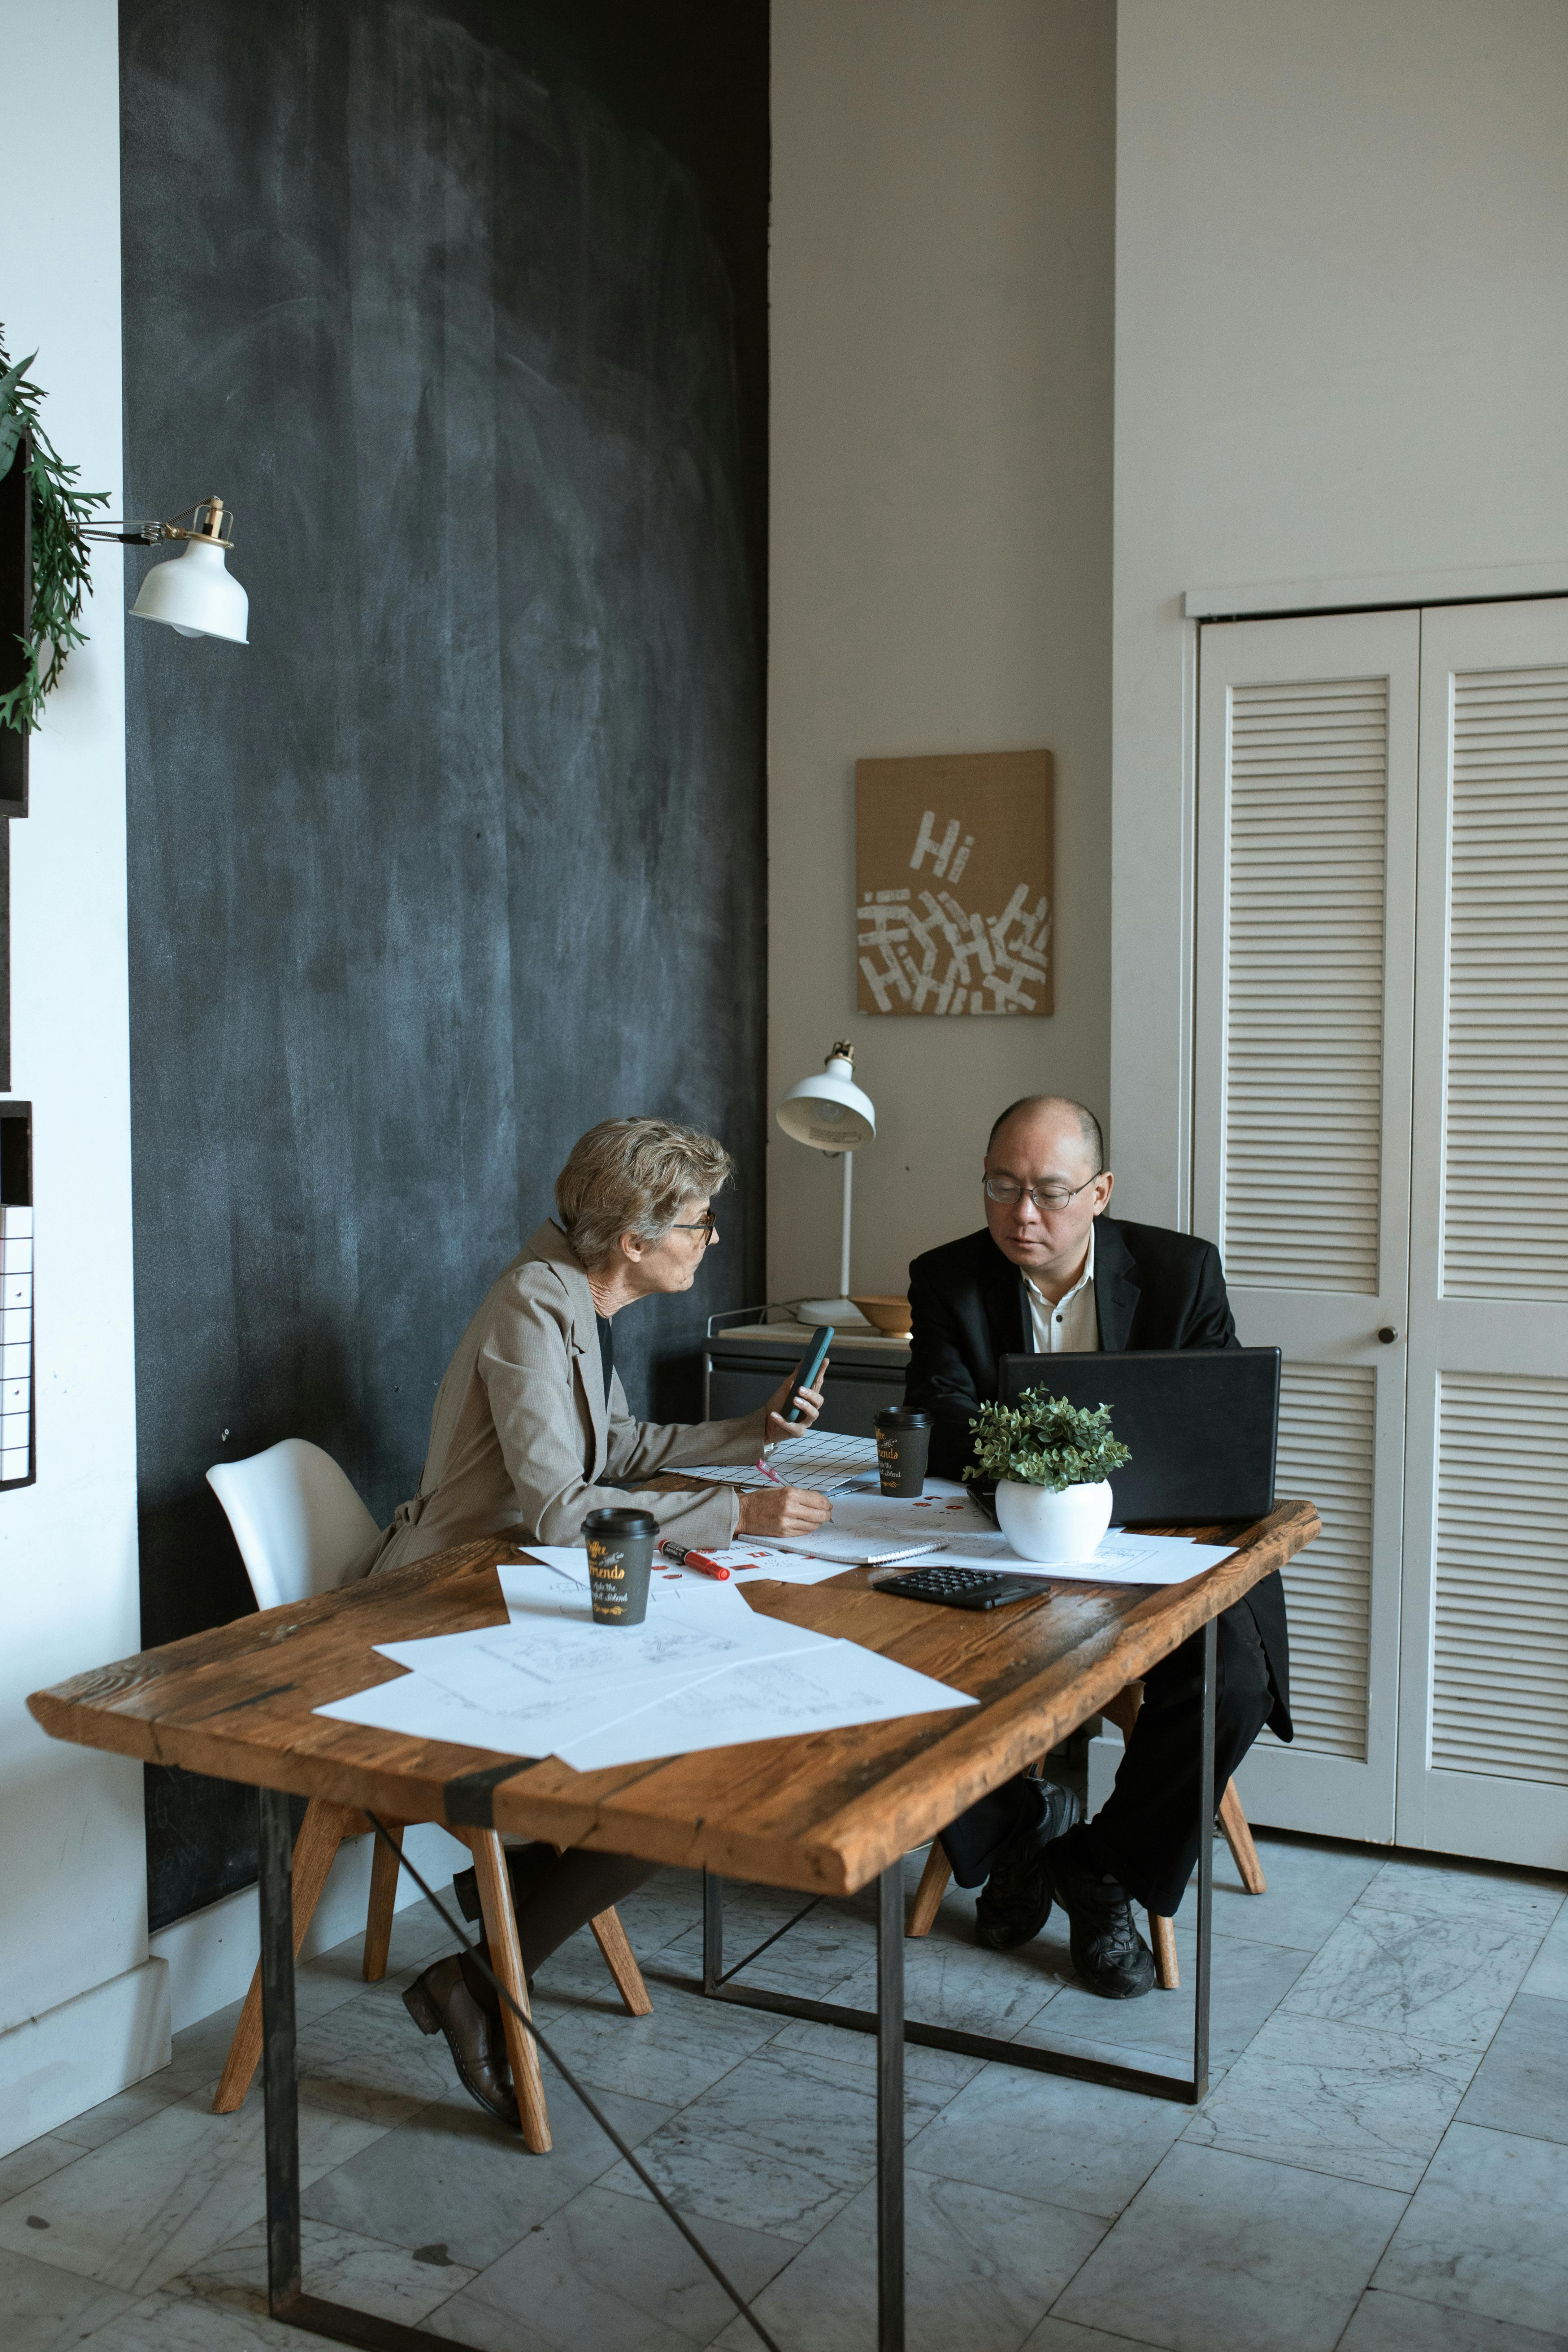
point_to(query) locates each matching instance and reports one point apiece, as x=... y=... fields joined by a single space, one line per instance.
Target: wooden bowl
x=890 y=1315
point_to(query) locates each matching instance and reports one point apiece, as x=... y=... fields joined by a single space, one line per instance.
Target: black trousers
x=553 y=1896
x=1146 y=1833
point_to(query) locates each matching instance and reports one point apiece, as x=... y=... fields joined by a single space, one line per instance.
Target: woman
x=531 y=1431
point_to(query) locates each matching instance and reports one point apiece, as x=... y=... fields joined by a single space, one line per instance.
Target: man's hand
x=782 y=1511
x=787 y=1394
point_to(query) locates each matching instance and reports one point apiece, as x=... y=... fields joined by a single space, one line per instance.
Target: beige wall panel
x=942 y=250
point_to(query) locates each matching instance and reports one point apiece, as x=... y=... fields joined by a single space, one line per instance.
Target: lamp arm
x=844 y=1229
x=125 y=534
x=122 y=535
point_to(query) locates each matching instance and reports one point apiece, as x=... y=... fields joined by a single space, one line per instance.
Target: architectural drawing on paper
x=953 y=870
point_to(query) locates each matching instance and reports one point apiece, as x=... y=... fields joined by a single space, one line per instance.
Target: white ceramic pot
x=1042 y=1523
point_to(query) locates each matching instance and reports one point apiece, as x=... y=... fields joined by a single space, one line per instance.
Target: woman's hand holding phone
x=807 y=1403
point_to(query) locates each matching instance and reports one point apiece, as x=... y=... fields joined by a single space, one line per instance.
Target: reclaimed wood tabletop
x=824 y=1811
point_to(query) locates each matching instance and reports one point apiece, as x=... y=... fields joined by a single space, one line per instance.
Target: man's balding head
x=1046 y=1182
x=1051 y=1111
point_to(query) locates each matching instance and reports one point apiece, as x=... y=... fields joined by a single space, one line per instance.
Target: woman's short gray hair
x=633 y=1176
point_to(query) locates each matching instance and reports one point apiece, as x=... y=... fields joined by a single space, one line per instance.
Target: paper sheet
x=1123 y=1559
x=558 y=1585
x=526 y=1688
x=472 y=1689
x=864 y=1525
x=772 y=1699
x=422 y=1708
x=822 y=1460
x=941 y=1526
x=504 y=1667
x=536 y=1589
x=748 y=1564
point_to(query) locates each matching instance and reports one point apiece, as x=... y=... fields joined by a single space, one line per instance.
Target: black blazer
x=1153 y=1288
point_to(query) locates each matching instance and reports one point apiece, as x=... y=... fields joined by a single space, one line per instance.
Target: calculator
x=964 y=1587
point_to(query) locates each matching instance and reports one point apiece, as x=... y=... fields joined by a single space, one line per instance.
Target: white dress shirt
x=1071 y=1326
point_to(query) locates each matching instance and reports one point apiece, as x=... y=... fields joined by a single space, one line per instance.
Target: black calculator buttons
x=963 y=1588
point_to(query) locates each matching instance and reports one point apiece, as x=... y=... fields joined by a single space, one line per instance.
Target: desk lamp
x=195 y=594
x=830 y=1113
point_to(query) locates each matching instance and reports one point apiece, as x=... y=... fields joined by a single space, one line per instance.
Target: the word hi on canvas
x=954 y=883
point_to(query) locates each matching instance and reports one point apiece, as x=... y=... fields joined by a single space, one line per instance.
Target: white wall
x=941 y=384
x=82 y=2009
x=1342 y=345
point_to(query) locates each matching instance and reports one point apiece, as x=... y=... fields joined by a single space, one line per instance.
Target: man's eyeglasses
x=1006 y=1191
x=707 y=1226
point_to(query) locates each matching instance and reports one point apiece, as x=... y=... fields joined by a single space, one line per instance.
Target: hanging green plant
x=61 y=573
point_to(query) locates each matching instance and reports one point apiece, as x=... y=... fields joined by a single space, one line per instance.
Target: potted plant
x=1052 y=1463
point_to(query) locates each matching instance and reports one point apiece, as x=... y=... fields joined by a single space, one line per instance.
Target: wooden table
x=825 y=1815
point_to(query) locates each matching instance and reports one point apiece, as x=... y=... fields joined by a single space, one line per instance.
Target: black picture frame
x=16 y=616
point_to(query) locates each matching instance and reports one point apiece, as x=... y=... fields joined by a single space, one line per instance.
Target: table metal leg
x=1203 y=1976
x=286 y=2298
x=890 y=2110
x=282 y=2091
x=721 y=1984
x=712 y=1931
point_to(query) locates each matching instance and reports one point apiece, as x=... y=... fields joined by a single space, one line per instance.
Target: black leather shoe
x=1107 y=1952
x=440 y=2002
x=1015 y=1900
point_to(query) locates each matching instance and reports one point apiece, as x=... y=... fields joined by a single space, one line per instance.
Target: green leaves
x=62 y=564
x=10 y=418
x=1043 y=1441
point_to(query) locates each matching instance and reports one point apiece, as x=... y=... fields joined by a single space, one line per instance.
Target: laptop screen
x=1203 y=1425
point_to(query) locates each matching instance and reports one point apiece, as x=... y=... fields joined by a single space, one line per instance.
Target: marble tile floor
x=1381 y=2165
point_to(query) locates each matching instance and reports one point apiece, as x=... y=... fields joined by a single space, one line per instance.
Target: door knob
x=1388 y=1335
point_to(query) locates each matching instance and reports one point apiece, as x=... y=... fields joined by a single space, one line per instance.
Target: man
x=1052 y=1273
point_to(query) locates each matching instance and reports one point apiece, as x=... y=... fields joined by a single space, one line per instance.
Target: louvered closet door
x=1484 y=1702
x=1301 y=1140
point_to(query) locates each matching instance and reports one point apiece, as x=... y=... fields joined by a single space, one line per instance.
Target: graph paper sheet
x=824 y=1460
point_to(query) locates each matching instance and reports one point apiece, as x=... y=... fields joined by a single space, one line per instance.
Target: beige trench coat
x=520 y=1438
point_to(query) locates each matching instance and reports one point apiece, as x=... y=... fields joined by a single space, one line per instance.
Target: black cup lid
x=620 y=1522
x=902 y=1416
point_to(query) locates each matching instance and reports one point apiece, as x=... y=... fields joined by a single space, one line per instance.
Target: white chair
x=295 y=1519
x=299 y=1526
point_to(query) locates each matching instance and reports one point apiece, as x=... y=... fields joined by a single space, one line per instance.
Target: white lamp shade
x=194 y=593
x=829 y=1111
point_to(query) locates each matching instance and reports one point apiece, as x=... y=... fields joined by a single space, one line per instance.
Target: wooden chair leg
x=383 y=1865
x=506 y=1960
x=933 y=1885
x=1239 y=1837
x=1163 y=1943
x=621 y=1962
x=322 y=1833
x=620 y=1959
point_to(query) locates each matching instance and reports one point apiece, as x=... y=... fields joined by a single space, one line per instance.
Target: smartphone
x=813 y=1364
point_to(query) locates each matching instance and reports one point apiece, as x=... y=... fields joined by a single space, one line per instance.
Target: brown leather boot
x=440 y=2001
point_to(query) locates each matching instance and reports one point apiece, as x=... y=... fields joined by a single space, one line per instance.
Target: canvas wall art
x=954 y=883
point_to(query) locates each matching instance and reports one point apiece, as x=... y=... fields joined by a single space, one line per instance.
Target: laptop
x=1203 y=1425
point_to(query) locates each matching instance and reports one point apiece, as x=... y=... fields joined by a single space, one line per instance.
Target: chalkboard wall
x=464 y=311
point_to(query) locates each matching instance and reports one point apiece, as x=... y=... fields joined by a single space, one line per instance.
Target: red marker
x=683 y=1558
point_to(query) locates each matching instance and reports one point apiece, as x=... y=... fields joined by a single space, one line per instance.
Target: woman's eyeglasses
x=707 y=1226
